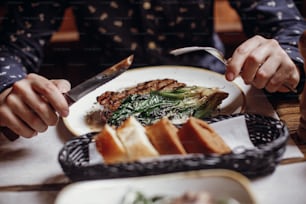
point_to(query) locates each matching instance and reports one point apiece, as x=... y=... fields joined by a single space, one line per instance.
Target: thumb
x=62 y=85
x=231 y=71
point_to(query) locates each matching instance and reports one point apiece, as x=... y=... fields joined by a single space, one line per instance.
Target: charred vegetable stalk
x=177 y=105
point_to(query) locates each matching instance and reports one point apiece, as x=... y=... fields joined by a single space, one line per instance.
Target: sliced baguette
x=163 y=136
x=110 y=146
x=133 y=137
x=197 y=136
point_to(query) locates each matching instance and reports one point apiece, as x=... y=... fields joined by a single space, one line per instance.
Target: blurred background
x=62 y=58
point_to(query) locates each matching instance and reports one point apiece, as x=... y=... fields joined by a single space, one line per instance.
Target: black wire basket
x=268 y=135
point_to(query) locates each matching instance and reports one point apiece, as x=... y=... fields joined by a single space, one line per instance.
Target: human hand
x=32 y=104
x=264 y=64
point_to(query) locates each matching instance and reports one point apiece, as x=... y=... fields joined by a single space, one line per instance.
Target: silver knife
x=85 y=87
x=90 y=84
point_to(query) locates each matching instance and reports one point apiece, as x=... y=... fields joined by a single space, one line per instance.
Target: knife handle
x=9 y=134
x=69 y=100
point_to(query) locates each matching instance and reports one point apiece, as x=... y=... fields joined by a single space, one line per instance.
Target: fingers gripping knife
x=87 y=86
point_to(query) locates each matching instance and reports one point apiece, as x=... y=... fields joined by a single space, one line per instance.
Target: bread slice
x=197 y=136
x=110 y=146
x=163 y=136
x=133 y=137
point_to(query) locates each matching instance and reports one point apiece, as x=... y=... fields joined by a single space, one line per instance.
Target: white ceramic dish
x=235 y=103
x=219 y=183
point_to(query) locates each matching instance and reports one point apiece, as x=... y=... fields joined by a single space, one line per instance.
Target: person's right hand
x=264 y=64
x=32 y=104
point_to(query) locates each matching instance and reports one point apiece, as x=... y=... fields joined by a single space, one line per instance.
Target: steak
x=111 y=100
x=151 y=100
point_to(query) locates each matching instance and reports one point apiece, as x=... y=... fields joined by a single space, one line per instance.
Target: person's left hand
x=264 y=64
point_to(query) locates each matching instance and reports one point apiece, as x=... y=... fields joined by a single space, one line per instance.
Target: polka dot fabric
x=148 y=29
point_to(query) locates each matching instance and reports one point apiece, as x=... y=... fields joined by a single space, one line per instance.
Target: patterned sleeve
x=25 y=30
x=277 y=19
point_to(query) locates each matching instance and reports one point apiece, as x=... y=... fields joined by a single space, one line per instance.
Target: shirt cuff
x=10 y=71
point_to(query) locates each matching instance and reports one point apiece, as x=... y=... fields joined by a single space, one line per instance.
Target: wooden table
x=289 y=112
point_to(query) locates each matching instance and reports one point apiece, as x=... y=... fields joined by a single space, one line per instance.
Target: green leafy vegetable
x=177 y=105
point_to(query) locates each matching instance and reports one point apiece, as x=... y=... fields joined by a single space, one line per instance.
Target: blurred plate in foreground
x=218 y=183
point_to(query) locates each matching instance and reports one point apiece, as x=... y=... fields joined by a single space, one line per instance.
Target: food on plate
x=132 y=141
x=199 y=137
x=163 y=135
x=152 y=100
x=111 y=100
x=193 y=198
x=188 y=197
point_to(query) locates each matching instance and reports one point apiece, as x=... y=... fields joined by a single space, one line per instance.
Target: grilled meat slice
x=111 y=100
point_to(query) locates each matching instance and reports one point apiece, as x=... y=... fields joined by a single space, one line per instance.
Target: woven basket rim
x=271 y=151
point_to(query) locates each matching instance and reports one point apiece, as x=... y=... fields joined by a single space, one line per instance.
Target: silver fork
x=211 y=50
x=216 y=53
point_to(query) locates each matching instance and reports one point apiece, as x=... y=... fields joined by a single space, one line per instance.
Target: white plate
x=219 y=183
x=234 y=103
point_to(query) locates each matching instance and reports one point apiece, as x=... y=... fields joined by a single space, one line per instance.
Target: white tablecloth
x=34 y=161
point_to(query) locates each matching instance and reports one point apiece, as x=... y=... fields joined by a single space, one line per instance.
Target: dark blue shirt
x=147 y=29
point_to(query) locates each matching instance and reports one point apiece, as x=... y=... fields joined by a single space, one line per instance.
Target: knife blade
x=105 y=76
x=84 y=88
